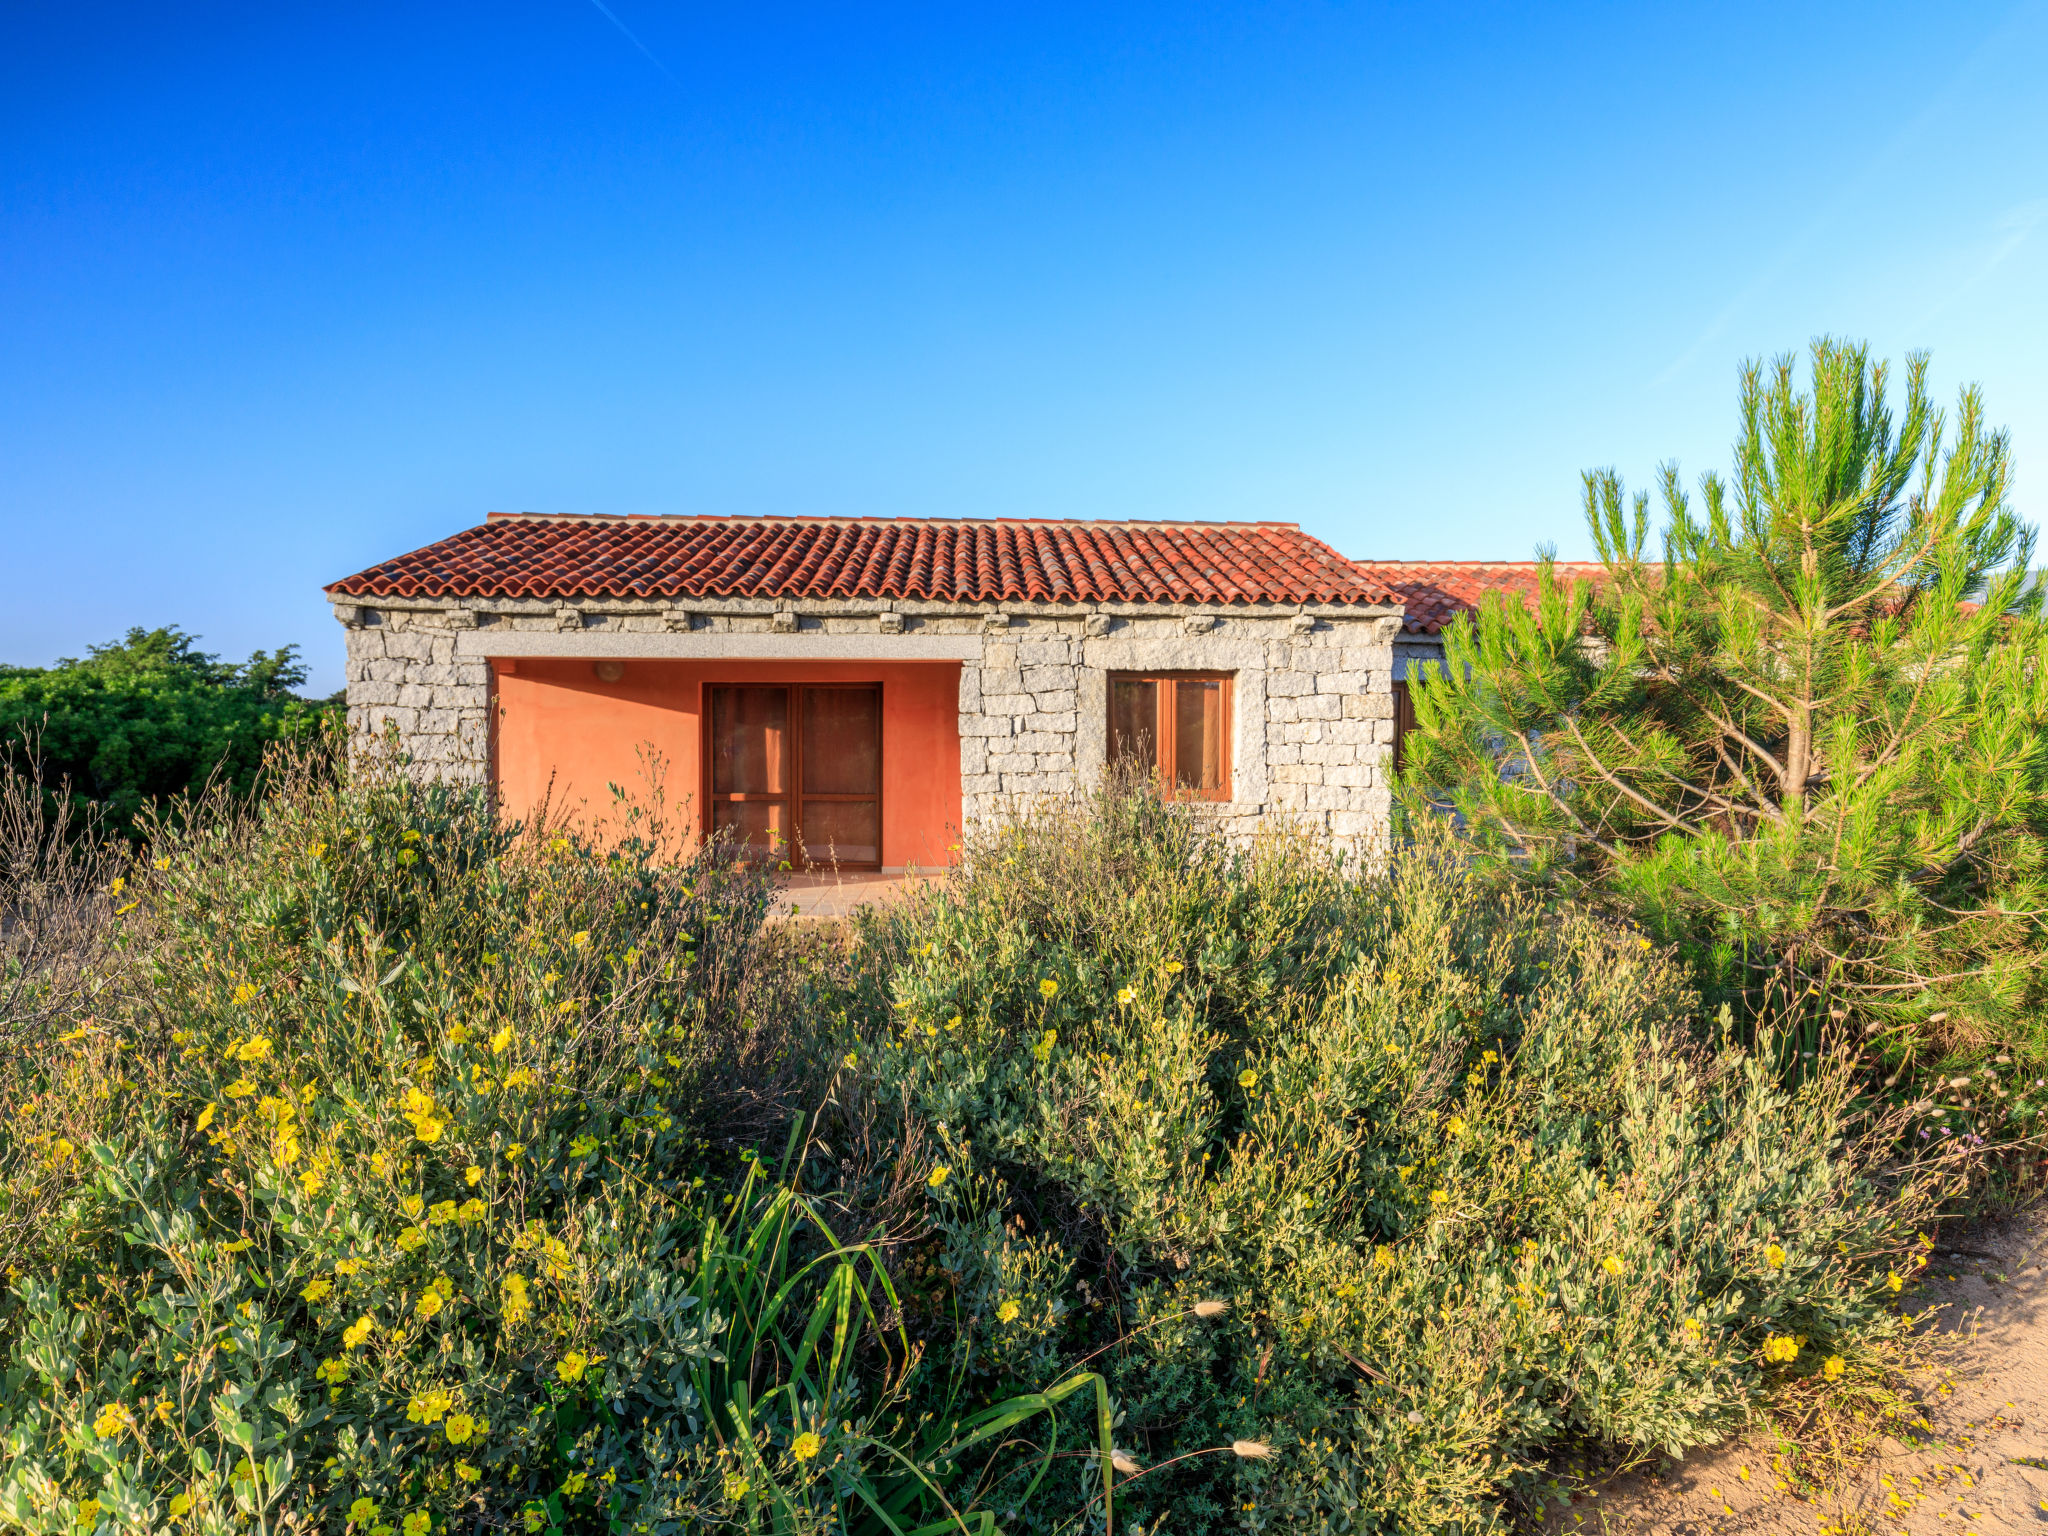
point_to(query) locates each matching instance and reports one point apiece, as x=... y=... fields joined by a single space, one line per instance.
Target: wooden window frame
x=794 y=797
x=1165 y=740
x=1404 y=722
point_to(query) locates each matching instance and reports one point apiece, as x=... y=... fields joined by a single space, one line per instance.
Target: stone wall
x=1312 y=709
x=404 y=673
x=1312 y=726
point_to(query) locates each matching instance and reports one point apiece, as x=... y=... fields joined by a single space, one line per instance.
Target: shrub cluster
x=399 y=1171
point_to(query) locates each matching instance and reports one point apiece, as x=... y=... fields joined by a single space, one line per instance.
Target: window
x=1404 y=720
x=796 y=772
x=1176 y=725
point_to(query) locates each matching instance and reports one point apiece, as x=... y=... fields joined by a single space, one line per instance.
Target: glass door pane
x=842 y=832
x=1198 y=734
x=760 y=827
x=749 y=741
x=749 y=746
x=842 y=741
x=839 y=816
x=1134 y=722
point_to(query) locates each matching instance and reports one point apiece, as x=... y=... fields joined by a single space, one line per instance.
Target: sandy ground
x=1983 y=1467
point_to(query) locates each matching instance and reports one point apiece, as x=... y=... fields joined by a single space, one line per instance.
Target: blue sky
x=285 y=290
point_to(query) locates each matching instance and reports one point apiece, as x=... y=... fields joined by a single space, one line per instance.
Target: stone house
x=854 y=692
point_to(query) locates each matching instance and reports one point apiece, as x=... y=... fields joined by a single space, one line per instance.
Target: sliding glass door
x=794 y=771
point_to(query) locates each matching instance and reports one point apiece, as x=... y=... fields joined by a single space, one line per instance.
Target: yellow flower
x=113 y=1418
x=410 y=1238
x=1774 y=1256
x=333 y=1372
x=806 y=1446
x=1613 y=1264
x=181 y=1503
x=570 y=1367
x=255 y=1049
x=1438 y=1197
x=1455 y=1125
x=1172 y=967
x=471 y=1210
x=316 y=1291
x=581 y=940
x=1893 y=1282
x=418 y=1523
x=735 y=1487
x=429 y=1304
x=466 y=1472
x=501 y=1042
x=1048 y=989
x=938 y=1176
x=472 y=1175
x=362 y=1512
x=1781 y=1347
x=427 y=1129
x=429 y=1407
x=459 y=1428
x=1833 y=1366
x=206 y=1117
x=583 y=1146
x=244 y=994
x=573 y=1483
x=1247 y=1078
x=353 y=1336
x=347 y=1266
x=514 y=1303
x=240 y=1088
x=1007 y=1312
x=1125 y=995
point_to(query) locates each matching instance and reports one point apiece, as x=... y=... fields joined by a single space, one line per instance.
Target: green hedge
x=401 y=1171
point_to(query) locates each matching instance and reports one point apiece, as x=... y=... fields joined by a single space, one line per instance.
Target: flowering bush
x=1475 y=1178
x=388 y=1170
x=365 y=1191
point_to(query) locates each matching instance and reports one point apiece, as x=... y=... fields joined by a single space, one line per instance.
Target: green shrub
x=366 y=1189
x=151 y=717
x=379 y=1167
x=1462 y=1165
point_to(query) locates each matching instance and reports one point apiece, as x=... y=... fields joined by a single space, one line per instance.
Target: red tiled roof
x=940 y=561
x=1437 y=591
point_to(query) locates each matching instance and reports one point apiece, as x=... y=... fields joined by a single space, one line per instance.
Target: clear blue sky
x=287 y=289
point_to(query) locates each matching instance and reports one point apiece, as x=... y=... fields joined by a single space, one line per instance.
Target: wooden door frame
x=793 y=763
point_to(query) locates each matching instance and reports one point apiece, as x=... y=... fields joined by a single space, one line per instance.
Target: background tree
x=148 y=718
x=1806 y=745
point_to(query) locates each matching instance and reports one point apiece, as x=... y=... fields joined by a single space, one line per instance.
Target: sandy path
x=1984 y=1468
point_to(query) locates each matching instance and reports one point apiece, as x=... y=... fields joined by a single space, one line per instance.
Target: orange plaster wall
x=562 y=733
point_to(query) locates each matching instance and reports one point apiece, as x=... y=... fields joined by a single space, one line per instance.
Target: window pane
x=760 y=828
x=749 y=731
x=842 y=742
x=1198 y=734
x=842 y=832
x=1134 y=723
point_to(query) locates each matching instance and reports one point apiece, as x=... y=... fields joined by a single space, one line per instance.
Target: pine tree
x=1807 y=744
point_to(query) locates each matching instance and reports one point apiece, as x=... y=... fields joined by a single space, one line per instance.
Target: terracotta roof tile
x=905 y=558
x=1437 y=591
